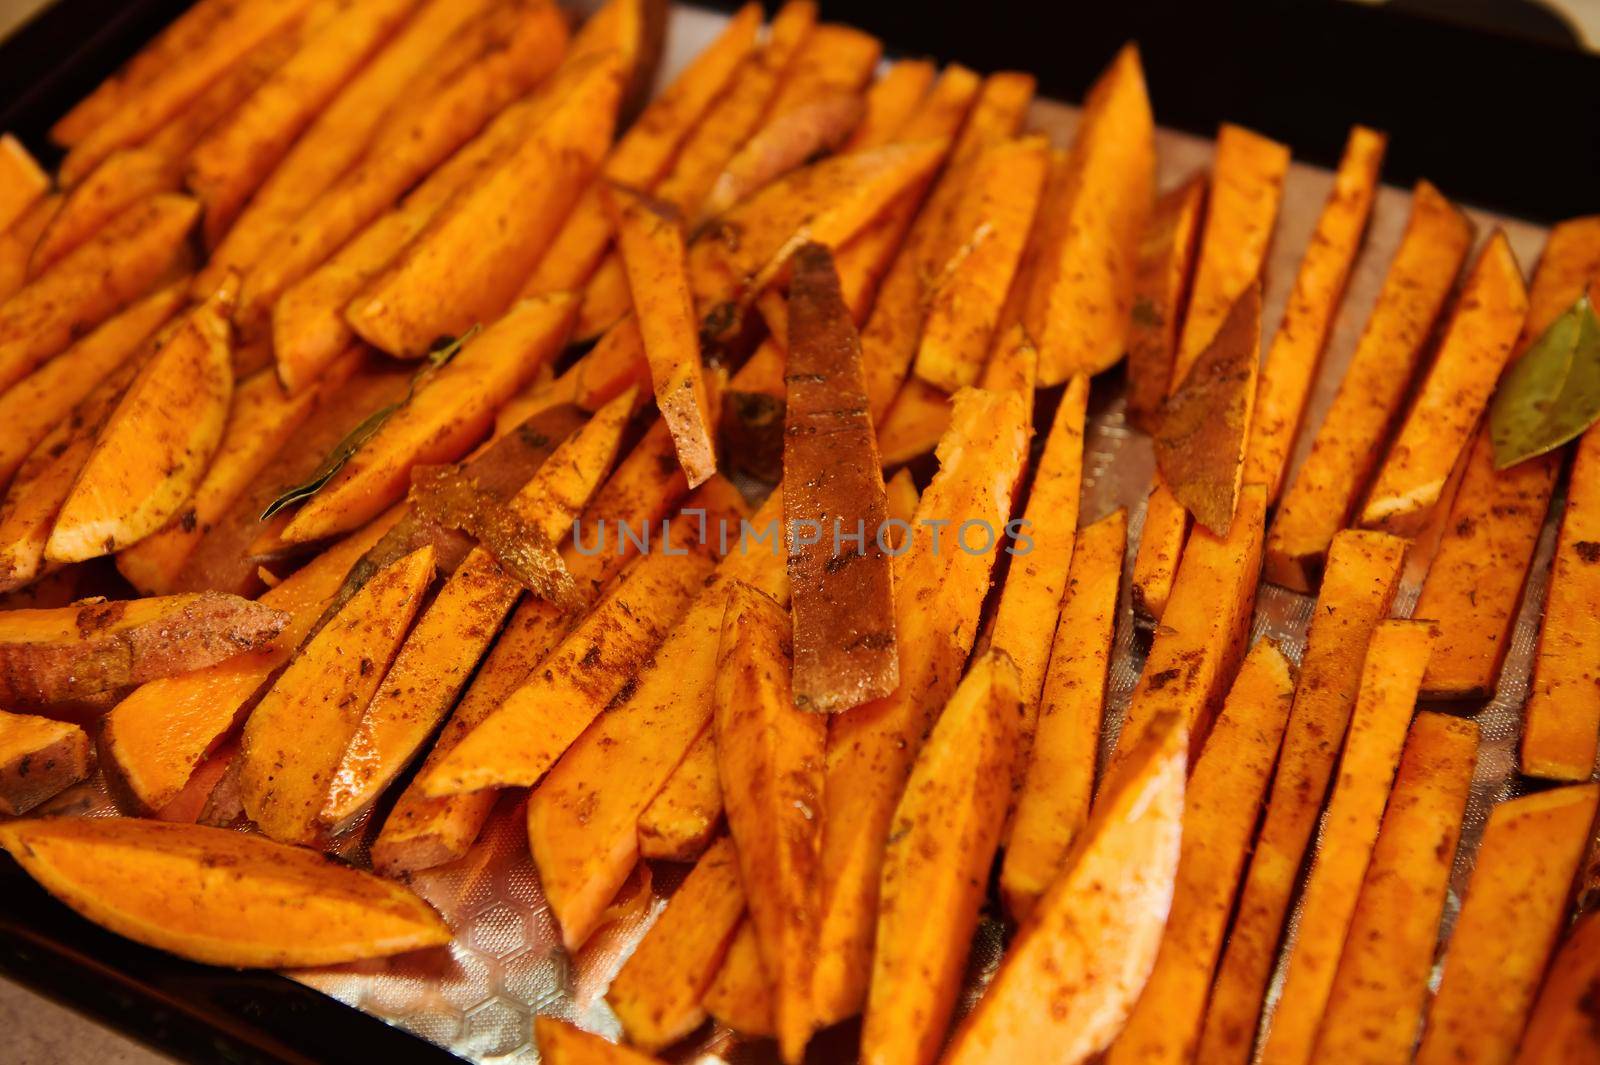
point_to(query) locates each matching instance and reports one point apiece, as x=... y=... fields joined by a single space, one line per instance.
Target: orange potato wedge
x=53 y=655
x=890 y=102
x=1327 y=487
x=1220 y=810
x=1376 y=1002
x=128 y=176
x=1078 y=965
x=1161 y=276
x=1363 y=573
x=1057 y=781
x=39 y=758
x=17 y=243
x=741 y=995
x=678 y=824
x=562 y=1043
x=1508 y=926
x=154 y=449
x=296 y=735
x=804 y=130
x=1560 y=1029
x=157 y=882
x=834 y=57
x=914 y=424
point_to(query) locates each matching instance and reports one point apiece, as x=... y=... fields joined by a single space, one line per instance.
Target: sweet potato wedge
x=563 y=1043
x=741 y=995
x=337 y=136
x=939 y=592
x=650 y=241
x=39 y=758
x=17 y=242
x=467 y=265
x=834 y=57
x=297 y=733
x=235 y=157
x=1326 y=489
x=1375 y=1005
x=582 y=818
x=1296 y=349
x=991 y=223
x=1161 y=275
x=1473 y=350
x=1031 y=599
x=126 y=177
x=769 y=755
x=157 y=883
x=843 y=602
x=1474 y=585
x=1508 y=925
x=1389 y=681
x=54 y=655
x=800 y=132
x=447 y=414
x=1080 y=316
x=521 y=740
x=1205 y=627
x=890 y=102
x=1560 y=1029
x=156 y=737
x=936 y=864
x=685 y=814
x=914 y=424
x=261 y=420
x=32 y=407
x=657 y=994
x=452 y=634
x=1221 y=806
x=486 y=65
x=1075 y=970
x=154 y=450
x=125 y=260
x=1057 y=781
x=1363 y=572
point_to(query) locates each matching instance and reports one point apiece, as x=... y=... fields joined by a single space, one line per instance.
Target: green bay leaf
x=1552 y=393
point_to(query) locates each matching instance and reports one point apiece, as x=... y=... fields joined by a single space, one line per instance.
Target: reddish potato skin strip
x=843 y=601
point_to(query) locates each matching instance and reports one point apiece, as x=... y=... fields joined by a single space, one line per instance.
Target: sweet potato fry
x=834 y=57
x=643 y=155
x=804 y=130
x=128 y=176
x=157 y=883
x=1203 y=632
x=1074 y=972
x=1031 y=599
x=17 y=243
x=678 y=824
x=582 y=818
x=1221 y=806
x=769 y=758
x=1080 y=316
x=914 y=424
x=1325 y=490
x=297 y=733
x=1375 y=1004
x=53 y=655
x=562 y=1043
x=650 y=240
x=155 y=738
x=1241 y=212
x=32 y=407
x=260 y=422
x=657 y=994
x=1014 y=363
x=1161 y=275
x=1474 y=586
x=521 y=740
x=741 y=995
x=458 y=626
x=1508 y=925
x=843 y=602
x=501 y=57
x=126 y=259
x=467 y=265
x=939 y=592
x=156 y=445
x=445 y=417
x=1296 y=350
x=235 y=157
x=936 y=864
x=1472 y=352
x=38 y=758
x=1363 y=571
x=1389 y=682
x=890 y=102
x=241 y=28
x=334 y=141
x=1560 y=1029
x=1057 y=780
x=985 y=116
x=990 y=223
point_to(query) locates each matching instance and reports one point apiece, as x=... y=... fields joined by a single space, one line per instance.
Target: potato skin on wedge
x=220 y=897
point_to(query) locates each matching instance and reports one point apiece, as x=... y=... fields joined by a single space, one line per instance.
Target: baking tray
x=1515 y=148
